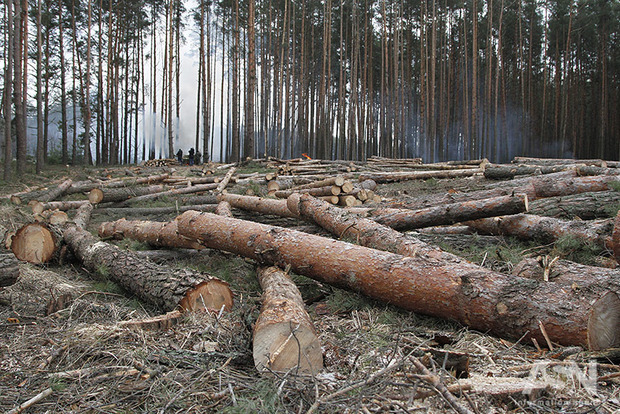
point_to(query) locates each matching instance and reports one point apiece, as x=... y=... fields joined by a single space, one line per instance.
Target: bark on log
x=162 y=286
x=42 y=195
x=224 y=209
x=507 y=171
x=222 y=185
x=38 y=207
x=155 y=233
x=284 y=337
x=419 y=175
x=327 y=182
x=443 y=286
x=9 y=268
x=145 y=211
x=111 y=195
x=616 y=238
x=315 y=191
x=585 y=206
x=557 y=161
x=258 y=204
x=547 y=229
x=455 y=213
x=174 y=192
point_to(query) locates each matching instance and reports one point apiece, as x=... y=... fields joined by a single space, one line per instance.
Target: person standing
x=197 y=157
x=180 y=156
x=191 y=156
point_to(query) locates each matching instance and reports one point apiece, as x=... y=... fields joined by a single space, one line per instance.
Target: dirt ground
x=78 y=359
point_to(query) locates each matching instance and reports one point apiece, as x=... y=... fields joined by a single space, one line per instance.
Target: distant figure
x=191 y=156
x=180 y=156
x=197 y=157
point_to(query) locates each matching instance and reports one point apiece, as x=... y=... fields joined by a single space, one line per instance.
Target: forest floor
x=87 y=363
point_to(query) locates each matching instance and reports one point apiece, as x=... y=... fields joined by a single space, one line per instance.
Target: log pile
x=165 y=162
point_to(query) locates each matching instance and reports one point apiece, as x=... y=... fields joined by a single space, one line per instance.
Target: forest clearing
x=307 y=285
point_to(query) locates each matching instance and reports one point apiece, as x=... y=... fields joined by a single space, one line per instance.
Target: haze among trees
x=335 y=79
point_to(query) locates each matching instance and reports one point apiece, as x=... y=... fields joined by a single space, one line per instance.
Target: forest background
x=120 y=81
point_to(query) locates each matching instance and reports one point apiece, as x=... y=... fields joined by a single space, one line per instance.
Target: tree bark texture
x=155 y=233
x=547 y=229
x=284 y=338
x=162 y=286
x=258 y=204
x=557 y=161
x=42 y=195
x=111 y=195
x=616 y=238
x=9 y=268
x=174 y=192
x=584 y=206
x=455 y=212
x=137 y=211
x=444 y=286
x=39 y=207
x=509 y=171
x=418 y=175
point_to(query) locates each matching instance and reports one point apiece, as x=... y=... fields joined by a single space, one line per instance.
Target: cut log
x=38 y=207
x=111 y=195
x=258 y=204
x=329 y=190
x=162 y=286
x=145 y=211
x=419 y=175
x=224 y=209
x=177 y=191
x=9 y=268
x=547 y=229
x=585 y=206
x=35 y=243
x=42 y=195
x=557 y=161
x=284 y=338
x=616 y=238
x=443 y=285
x=327 y=182
x=222 y=185
x=454 y=213
x=155 y=233
x=507 y=171
x=545 y=187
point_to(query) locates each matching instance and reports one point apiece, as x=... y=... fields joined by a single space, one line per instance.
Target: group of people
x=193 y=157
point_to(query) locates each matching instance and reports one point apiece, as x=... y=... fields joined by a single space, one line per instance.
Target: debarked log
x=548 y=229
x=162 y=286
x=454 y=213
x=155 y=233
x=449 y=288
x=284 y=338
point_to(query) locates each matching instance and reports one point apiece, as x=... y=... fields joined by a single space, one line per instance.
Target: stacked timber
x=165 y=162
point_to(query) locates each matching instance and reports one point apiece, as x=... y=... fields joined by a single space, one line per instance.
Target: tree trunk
x=156 y=234
x=145 y=211
x=454 y=213
x=258 y=204
x=8 y=94
x=584 y=206
x=9 y=268
x=504 y=172
x=548 y=229
x=418 y=175
x=284 y=338
x=177 y=191
x=446 y=286
x=616 y=238
x=557 y=161
x=42 y=195
x=39 y=207
x=35 y=243
x=105 y=195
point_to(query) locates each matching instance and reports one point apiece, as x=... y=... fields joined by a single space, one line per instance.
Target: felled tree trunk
x=284 y=338
x=35 y=243
x=161 y=286
x=258 y=204
x=38 y=207
x=557 y=161
x=443 y=286
x=585 y=206
x=315 y=191
x=9 y=268
x=222 y=185
x=507 y=171
x=548 y=229
x=42 y=195
x=455 y=212
x=419 y=175
x=616 y=238
x=110 y=195
x=136 y=211
x=155 y=233
x=176 y=191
